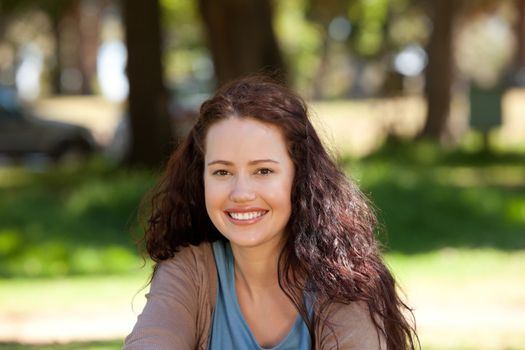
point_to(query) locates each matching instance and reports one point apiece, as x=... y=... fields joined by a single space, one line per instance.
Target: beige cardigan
x=180 y=303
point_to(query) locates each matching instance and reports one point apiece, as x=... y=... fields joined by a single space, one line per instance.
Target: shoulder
x=191 y=255
x=194 y=262
x=348 y=326
x=179 y=304
x=190 y=267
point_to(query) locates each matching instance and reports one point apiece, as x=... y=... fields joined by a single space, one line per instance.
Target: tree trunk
x=56 y=70
x=439 y=72
x=89 y=13
x=241 y=38
x=520 y=35
x=66 y=75
x=148 y=116
x=75 y=79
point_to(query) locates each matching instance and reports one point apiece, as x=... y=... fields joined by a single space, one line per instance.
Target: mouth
x=246 y=216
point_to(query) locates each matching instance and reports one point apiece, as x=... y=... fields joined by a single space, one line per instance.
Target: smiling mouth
x=246 y=216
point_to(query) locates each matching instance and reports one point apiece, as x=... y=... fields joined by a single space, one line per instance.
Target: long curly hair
x=330 y=249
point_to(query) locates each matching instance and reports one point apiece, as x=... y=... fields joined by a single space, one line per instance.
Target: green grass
x=99 y=345
x=457 y=265
x=429 y=199
x=69 y=220
x=17 y=295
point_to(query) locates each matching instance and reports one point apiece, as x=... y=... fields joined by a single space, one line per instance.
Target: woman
x=260 y=241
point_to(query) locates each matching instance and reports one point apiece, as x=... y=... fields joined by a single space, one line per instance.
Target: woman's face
x=248 y=178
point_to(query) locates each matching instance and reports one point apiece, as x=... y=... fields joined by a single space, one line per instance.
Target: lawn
x=430 y=199
x=103 y=345
x=69 y=221
x=452 y=223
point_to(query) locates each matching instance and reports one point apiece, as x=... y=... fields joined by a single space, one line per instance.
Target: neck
x=256 y=269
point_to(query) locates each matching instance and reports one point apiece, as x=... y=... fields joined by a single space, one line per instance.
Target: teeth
x=246 y=216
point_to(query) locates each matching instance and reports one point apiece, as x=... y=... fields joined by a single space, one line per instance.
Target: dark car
x=23 y=135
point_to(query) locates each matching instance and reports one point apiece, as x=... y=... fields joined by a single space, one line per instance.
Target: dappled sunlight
x=509 y=176
x=512 y=132
x=356 y=127
x=359 y=127
x=94 y=112
x=14 y=177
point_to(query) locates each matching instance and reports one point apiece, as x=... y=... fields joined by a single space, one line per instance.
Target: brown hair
x=330 y=234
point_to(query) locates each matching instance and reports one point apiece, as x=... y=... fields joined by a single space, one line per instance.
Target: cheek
x=280 y=195
x=213 y=195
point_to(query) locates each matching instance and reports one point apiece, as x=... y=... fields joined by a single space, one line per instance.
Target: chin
x=252 y=242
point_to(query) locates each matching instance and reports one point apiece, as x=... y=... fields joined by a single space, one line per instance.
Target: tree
x=148 y=114
x=439 y=72
x=56 y=12
x=75 y=34
x=520 y=36
x=241 y=38
x=75 y=26
x=322 y=12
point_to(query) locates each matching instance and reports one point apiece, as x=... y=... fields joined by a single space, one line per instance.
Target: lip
x=245 y=210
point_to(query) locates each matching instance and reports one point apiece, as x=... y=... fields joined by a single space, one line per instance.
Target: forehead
x=236 y=137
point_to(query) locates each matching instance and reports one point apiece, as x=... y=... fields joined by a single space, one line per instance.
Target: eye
x=264 y=171
x=221 y=172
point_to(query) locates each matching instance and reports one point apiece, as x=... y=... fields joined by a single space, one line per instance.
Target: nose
x=241 y=190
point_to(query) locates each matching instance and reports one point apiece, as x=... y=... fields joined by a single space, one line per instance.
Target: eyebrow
x=252 y=162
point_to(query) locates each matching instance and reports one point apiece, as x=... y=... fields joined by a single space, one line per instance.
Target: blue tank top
x=229 y=329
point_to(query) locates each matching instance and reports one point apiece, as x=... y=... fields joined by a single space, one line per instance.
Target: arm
x=351 y=329
x=169 y=319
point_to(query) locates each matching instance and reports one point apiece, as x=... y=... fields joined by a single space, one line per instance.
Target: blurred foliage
x=370 y=21
x=486 y=45
x=378 y=31
x=300 y=41
x=186 y=55
x=53 y=7
x=68 y=221
x=369 y=18
x=429 y=199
